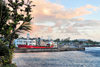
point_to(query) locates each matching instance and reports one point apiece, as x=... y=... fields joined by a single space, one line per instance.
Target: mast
x=28 y=37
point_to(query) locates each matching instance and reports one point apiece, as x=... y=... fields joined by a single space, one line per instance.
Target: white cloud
x=45 y=23
x=57 y=21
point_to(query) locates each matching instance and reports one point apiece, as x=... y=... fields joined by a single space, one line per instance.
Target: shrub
x=9 y=65
x=5 y=53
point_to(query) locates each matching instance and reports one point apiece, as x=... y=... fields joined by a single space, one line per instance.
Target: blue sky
x=79 y=3
x=76 y=3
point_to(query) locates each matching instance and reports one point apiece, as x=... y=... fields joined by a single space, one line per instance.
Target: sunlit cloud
x=52 y=19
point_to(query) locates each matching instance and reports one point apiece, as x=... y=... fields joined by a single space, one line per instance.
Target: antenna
x=28 y=35
x=49 y=38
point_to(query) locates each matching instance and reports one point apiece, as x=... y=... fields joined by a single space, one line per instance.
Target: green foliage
x=25 y=27
x=57 y=40
x=16 y=17
x=9 y=65
x=3 y=48
x=5 y=53
x=7 y=58
x=4 y=16
x=10 y=29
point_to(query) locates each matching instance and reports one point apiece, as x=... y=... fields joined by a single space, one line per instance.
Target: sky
x=77 y=19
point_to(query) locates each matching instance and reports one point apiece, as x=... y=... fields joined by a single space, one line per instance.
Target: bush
x=5 y=53
x=9 y=65
x=3 y=50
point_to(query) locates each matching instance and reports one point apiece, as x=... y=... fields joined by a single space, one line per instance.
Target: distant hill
x=82 y=39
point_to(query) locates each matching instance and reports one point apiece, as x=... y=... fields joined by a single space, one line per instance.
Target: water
x=88 y=58
x=92 y=48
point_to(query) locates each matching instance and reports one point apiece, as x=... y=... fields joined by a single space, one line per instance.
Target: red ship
x=34 y=43
x=31 y=46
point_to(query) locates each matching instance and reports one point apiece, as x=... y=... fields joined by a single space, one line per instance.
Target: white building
x=25 y=41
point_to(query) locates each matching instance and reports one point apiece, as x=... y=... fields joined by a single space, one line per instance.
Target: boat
x=31 y=46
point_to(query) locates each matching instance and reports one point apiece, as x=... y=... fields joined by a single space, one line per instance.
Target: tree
x=19 y=21
x=13 y=20
x=57 y=40
x=66 y=40
x=4 y=16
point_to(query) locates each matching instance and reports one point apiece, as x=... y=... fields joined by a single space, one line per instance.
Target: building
x=25 y=41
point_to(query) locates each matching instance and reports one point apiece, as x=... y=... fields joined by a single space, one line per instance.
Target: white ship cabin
x=25 y=41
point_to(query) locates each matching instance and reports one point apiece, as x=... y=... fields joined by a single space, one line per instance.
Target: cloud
x=51 y=19
x=46 y=10
x=45 y=23
x=87 y=23
x=92 y=7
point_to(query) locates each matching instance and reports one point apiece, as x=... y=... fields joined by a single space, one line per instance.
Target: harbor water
x=88 y=58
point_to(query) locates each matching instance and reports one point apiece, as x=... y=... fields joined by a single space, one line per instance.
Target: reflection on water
x=58 y=59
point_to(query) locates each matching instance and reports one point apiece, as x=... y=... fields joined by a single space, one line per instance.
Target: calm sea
x=88 y=58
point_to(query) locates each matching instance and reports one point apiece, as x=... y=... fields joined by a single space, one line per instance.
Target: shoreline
x=26 y=50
